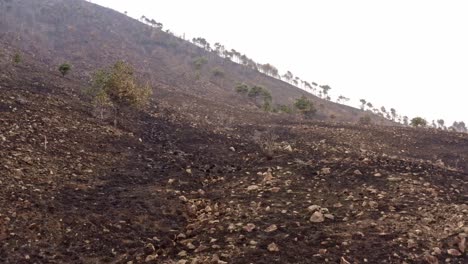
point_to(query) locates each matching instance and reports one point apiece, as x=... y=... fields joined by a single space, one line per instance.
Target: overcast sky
x=411 y=55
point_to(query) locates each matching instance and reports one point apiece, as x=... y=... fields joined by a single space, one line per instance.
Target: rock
x=394 y=179
x=252 y=188
x=412 y=243
x=462 y=245
x=273 y=247
x=325 y=171
x=249 y=227
x=190 y=246
x=357 y=172
x=271 y=228
x=338 y=205
x=378 y=175
x=431 y=259
x=344 y=261
x=268 y=177
x=313 y=208
x=454 y=252
x=329 y=216
x=151 y=257
x=317 y=217
x=189 y=171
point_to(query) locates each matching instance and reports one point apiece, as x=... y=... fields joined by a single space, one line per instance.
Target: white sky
x=411 y=55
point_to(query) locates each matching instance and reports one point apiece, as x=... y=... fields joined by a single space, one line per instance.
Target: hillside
x=202 y=175
x=89 y=36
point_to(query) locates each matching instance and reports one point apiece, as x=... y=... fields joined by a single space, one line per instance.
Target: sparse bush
x=242 y=88
x=305 y=106
x=258 y=92
x=64 y=69
x=284 y=109
x=267 y=106
x=418 y=122
x=17 y=58
x=199 y=62
x=365 y=120
x=218 y=73
x=117 y=88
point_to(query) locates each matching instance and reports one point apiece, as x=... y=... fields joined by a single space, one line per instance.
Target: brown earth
x=203 y=182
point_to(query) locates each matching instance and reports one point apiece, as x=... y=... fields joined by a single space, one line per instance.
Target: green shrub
x=199 y=62
x=64 y=69
x=17 y=58
x=418 y=122
x=116 y=87
x=305 y=106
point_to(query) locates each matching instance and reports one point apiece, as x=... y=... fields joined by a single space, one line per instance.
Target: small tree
x=64 y=69
x=418 y=122
x=199 y=62
x=117 y=88
x=363 y=103
x=218 y=73
x=285 y=109
x=305 y=106
x=242 y=88
x=17 y=58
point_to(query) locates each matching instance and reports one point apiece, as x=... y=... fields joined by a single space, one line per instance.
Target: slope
x=89 y=36
x=169 y=188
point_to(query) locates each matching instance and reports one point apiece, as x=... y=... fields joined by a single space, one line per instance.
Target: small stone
x=344 y=261
x=329 y=216
x=357 y=172
x=273 y=247
x=170 y=181
x=436 y=251
x=249 y=227
x=313 y=208
x=288 y=148
x=183 y=253
x=317 y=217
x=325 y=171
x=183 y=199
x=431 y=259
x=412 y=243
x=252 y=188
x=378 y=175
x=462 y=245
x=191 y=246
x=454 y=252
x=232 y=149
x=271 y=228
x=338 y=205
x=151 y=257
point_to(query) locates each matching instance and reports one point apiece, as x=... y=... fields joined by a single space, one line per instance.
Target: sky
x=407 y=55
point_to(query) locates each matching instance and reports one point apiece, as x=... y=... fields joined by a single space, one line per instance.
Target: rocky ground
x=165 y=188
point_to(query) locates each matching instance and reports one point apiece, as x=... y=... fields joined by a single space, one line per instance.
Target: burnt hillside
x=89 y=36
